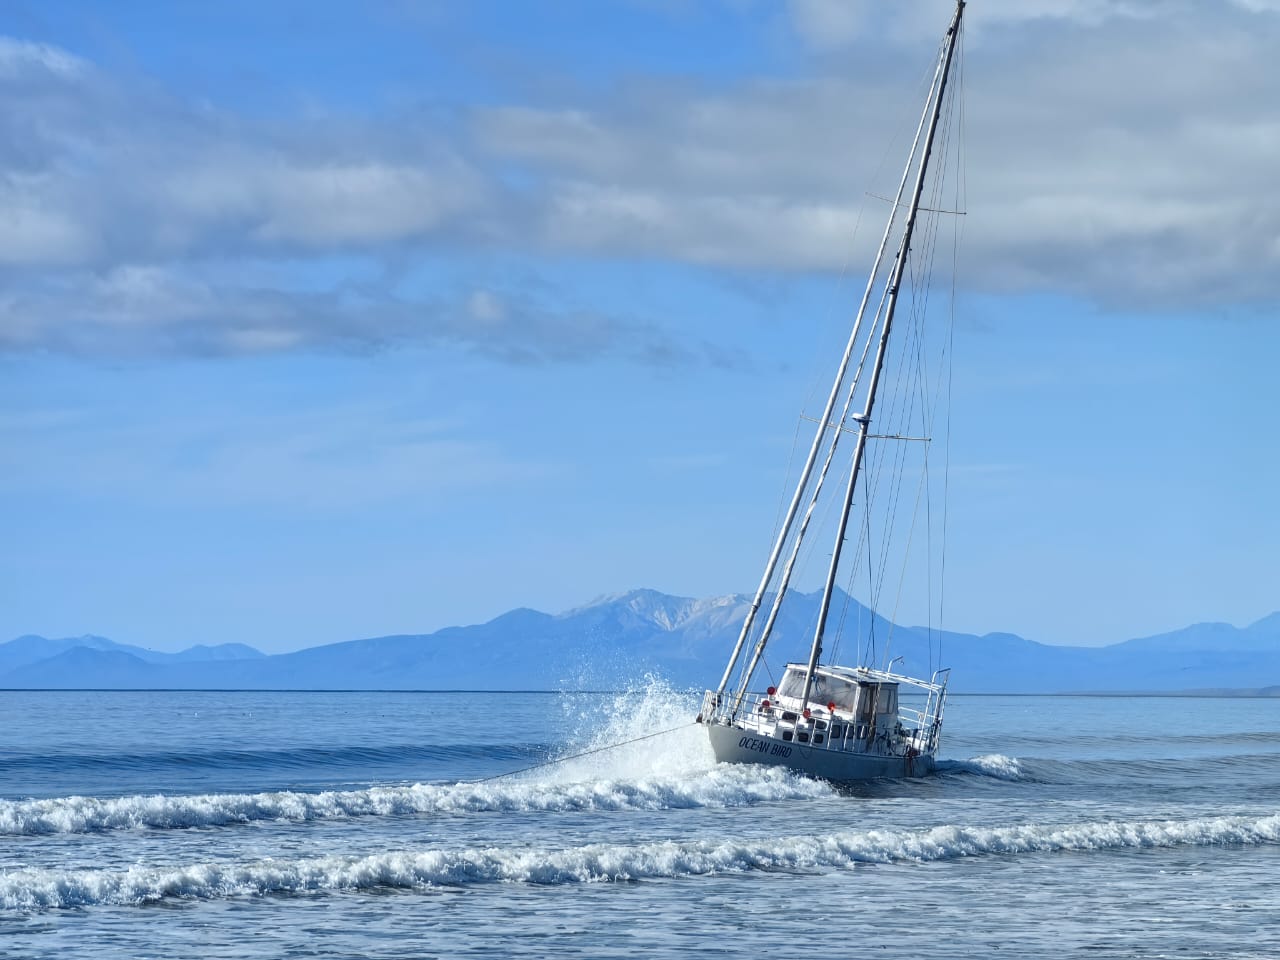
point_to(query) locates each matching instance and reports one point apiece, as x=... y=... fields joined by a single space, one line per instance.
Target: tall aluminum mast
x=934 y=92
x=864 y=419
x=824 y=420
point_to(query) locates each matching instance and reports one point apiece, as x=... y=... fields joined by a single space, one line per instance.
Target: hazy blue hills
x=29 y=649
x=614 y=641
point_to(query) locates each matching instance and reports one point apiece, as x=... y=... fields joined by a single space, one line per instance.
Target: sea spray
x=606 y=730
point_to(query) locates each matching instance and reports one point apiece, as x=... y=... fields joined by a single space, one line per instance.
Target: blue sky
x=320 y=321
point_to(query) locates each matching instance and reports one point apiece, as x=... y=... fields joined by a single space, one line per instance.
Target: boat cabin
x=840 y=690
x=850 y=710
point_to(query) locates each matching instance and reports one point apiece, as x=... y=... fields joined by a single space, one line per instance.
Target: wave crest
x=33 y=889
x=988 y=765
x=721 y=786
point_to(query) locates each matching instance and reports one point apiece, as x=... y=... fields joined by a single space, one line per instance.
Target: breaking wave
x=33 y=889
x=989 y=765
x=619 y=780
x=638 y=752
x=718 y=787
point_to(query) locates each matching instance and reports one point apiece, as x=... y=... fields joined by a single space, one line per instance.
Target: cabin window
x=817 y=738
x=837 y=731
x=825 y=689
x=888 y=698
x=786 y=734
x=802 y=737
x=877 y=697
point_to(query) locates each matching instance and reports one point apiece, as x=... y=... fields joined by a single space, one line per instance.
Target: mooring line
x=584 y=753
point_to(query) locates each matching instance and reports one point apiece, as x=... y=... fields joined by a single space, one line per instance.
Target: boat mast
x=758 y=652
x=864 y=419
x=823 y=424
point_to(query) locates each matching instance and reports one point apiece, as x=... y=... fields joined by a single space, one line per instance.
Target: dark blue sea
x=137 y=825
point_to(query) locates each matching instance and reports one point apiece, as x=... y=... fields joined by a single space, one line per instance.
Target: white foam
x=29 y=889
x=640 y=751
x=988 y=765
x=721 y=786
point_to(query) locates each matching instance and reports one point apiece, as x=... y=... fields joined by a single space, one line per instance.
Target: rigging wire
x=584 y=753
x=928 y=411
x=899 y=405
x=902 y=409
x=910 y=395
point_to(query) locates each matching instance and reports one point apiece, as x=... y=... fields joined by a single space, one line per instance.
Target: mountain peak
x=652 y=606
x=1270 y=624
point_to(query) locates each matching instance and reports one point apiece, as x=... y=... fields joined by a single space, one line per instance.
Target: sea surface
x=214 y=824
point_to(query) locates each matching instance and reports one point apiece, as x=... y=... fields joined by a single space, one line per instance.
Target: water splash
x=606 y=731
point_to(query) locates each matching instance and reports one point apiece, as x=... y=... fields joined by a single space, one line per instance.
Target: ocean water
x=176 y=824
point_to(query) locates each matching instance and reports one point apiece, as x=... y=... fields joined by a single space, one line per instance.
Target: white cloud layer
x=1111 y=154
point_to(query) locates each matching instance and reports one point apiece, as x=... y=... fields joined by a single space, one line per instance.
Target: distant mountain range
x=614 y=641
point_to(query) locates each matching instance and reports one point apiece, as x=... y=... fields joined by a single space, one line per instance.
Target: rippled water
x=382 y=825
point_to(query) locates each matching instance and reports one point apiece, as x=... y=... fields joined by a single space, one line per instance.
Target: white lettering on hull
x=764 y=746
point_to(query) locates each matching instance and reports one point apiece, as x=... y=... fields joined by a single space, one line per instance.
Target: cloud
x=126 y=209
x=831 y=26
x=1111 y=155
x=140 y=311
x=283 y=200
x=25 y=61
x=828 y=23
x=95 y=171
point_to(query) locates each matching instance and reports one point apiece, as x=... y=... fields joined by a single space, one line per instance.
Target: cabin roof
x=849 y=674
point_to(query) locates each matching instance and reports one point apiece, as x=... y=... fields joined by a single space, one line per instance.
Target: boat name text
x=764 y=746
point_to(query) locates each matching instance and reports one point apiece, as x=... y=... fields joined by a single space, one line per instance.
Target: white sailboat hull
x=733 y=744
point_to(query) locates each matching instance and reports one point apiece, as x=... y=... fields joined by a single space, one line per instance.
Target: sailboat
x=841 y=723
